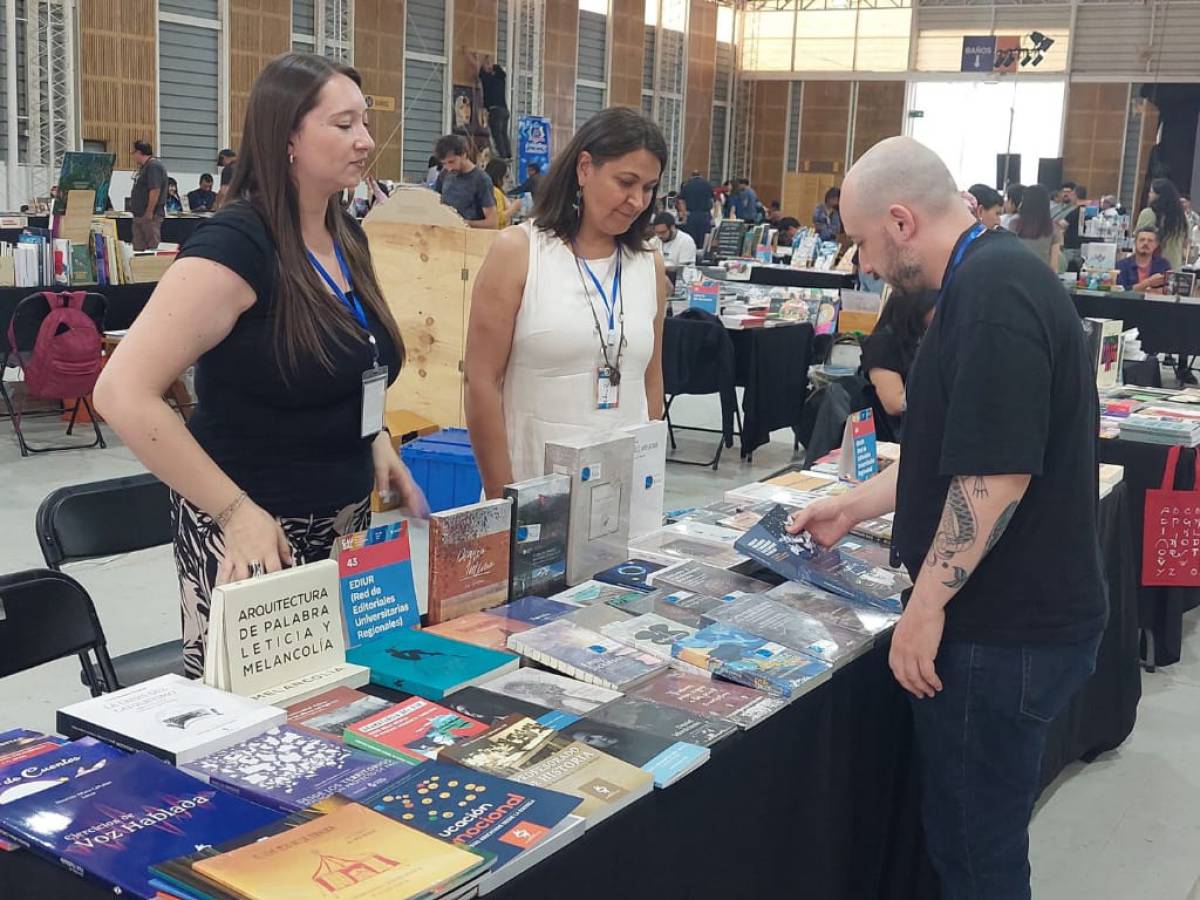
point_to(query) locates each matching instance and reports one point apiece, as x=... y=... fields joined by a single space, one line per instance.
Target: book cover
x=633 y=573
x=333 y=711
x=82 y=265
x=641 y=714
x=743 y=706
x=474 y=808
x=594 y=618
x=683 y=607
x=709 y=581
x=858 y=460
x=540 y=511
x=551 y=690
x=598 y=524
x=289 y=769
x=418 y=662
x=586 y=655
x=65 y=762
x=588 y=593
x=412 y=731
x=170 y=717
x=139 y=811
x=654 y=634
x=796 y=630
x=748 y=659
x=665 y=759
x=481 y=629
x=377 y=589
x=468 y=559
x=831 y=609
x=690 y=540
x=649 y=476
x=352 y=852
x=489 y=707
x=878 y=529
x=533 y=610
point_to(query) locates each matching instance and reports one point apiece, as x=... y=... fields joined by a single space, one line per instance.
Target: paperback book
x=748 y=659
x=333 y=711
x=418 y=662
x=169 y=717
x=412 y=731
x=592 y=592
x=641 y=714
x=782 y=624
x=709 y=581
x=654 y=634
x=633 y=574
x=540 y=511
x=376 y=580
x=533 y=610
x=481 y=629
x=743 y=706
x=648 y=483
x=666 y=759
x=71 y=761
x=833 y=610
x=489 y=707
x=683 y=607
x=468 y=559
x=586 y=655
x=551 y=690
x=594 y=618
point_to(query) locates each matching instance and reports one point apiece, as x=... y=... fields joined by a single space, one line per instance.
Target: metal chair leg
x=74 y=413
x=87 y=404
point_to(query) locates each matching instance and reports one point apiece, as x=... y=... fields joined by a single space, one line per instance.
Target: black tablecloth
x=772 y=365
x=1164 y=326
x=174 y=230
x=124 y=303
x=785 y=276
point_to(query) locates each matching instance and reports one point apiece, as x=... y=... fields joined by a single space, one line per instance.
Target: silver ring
x=256 y=568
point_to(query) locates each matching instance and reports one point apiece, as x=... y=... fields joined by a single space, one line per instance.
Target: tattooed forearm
x=958 y=579
x=959 y=527
x=979 y=487
x=1001 y=524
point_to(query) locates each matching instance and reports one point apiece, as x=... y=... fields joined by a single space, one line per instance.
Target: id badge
x=374 y=397
x=608 y=395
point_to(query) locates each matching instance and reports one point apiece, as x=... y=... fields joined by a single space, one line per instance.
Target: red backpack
x=65 y=361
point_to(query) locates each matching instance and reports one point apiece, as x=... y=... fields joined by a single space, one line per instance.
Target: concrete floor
x=1125 y=826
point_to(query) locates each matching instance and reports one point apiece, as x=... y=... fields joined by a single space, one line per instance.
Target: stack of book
x=1158 y=426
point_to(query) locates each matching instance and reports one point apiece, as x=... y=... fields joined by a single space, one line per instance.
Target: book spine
x=260 y=797
x=73 y=727
x=374 y=747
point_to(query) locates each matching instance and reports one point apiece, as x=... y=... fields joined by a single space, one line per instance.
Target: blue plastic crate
x=443 y=464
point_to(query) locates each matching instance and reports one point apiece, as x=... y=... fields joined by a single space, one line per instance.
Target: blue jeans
x=979 y=745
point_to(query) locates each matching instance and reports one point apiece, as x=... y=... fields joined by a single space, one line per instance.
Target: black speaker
x=1008 y=170
x=1050 y=173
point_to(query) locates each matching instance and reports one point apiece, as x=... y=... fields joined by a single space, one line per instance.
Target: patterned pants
x=200 y=546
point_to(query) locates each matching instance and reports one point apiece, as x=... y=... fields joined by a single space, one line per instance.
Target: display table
x=175 y=229
x=786 y=276
x=125 y=301
x=1164 y=325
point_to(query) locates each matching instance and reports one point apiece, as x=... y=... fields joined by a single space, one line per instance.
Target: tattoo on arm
x=979 y=487
x=1001 y=524
x=958 y=579
x=957 y=532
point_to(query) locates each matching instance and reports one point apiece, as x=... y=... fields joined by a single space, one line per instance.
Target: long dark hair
x=904 y=313
x=609 y=134
x=1033 y=215
x=1168 y=211
x=283 y=94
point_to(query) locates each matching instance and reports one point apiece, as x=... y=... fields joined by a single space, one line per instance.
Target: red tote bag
x=1171 y=532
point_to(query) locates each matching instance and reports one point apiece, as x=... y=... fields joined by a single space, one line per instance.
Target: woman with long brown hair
x=276 y=302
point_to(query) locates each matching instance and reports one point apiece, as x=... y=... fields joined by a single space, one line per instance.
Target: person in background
x=174 y=203
x=1193 y=217
x=1063 y=201
x=495 y=98
x=1072 y=228
x=1110 y=207
x=1144 y=269
x=826 y=218
x=1012 y=202
x=532 y=183
x=497 y=170
x=1166 y=215
x=203 y=198
x=989 y=205
x=464 y=185
x=225 y=158
x=678 y=248
x=275 y=301
x=774 y=214
x=695 y=207
x=1034 y=226
x=995 y=513
x=226 y=180
x=788 y=228
x=887 y=355
x=148 y=199
x=744 y=203
x=565 y=335
x=433 y=169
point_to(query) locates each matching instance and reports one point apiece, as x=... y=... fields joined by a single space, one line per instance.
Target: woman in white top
x=565 y=337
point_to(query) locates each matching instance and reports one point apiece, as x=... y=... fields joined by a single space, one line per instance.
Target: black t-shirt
x=293 y=445
x=152 y=175
x=1072 y=239
x=697 y=194
x=1001 y=385
x=883 y=350
x=494 y=83
x=201 y=200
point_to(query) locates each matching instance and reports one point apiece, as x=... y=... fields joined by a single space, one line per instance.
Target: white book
x=586 y=655
x=654 y=634
x=710 y=544
x=170 y=717
x=647 y=486
x=559 y=836
x=551 y=690
x=280 y=636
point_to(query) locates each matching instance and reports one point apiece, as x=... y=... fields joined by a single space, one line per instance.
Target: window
x=425 y=87
x=795 y=96
x=304 y=25
x=325 y=27
x=591 y=63
x=664 y=75
x=525 y=74
x=828 y=36
x=189 y=83
x=722 y=95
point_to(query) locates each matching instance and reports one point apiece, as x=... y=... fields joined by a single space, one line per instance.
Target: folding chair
x=45 y=616
x=27 y=319
x=698 y=359
x=106 y=518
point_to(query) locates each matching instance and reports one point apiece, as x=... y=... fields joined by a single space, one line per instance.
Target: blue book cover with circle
x=633 y=573
x=538 y=557
x=468 y=807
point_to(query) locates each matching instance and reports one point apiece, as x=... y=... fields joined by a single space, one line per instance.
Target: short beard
x=904 y=270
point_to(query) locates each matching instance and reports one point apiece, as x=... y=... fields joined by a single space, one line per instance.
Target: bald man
x=995 y=502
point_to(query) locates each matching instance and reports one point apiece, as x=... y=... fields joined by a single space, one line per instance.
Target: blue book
x=481 y=811
x=428 y=665
x=70 y=761
x=110 y=829
x=290 y=769
x=633 y=573
x=533 y=611
x=748 y=659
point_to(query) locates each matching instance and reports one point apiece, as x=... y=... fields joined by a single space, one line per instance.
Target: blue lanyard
x=977 y=231
x=350 y=300
x=610 y=305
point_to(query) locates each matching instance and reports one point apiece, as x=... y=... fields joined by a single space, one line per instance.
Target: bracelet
x=222 y=518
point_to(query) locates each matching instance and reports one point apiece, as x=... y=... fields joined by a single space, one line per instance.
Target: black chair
x=698 y=359
x=27 y=319
x=105 y=518
x=45 y=616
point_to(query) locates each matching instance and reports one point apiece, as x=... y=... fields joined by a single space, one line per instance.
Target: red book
x=412 y=731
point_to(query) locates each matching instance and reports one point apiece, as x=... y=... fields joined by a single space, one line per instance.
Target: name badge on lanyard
x=608 y=372
x=374 y=379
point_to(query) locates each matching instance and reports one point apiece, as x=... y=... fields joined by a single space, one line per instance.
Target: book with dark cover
x=468 y=559
x=541 y=508
x=683 y=607
x=633 y=573
x=418 y=662
x=84 y=758
x=490 y=707
x=551 y=690
x=333 y=711
x=412 y=731
x=743 y=706
x=710 y=581
x=289 y=769
x=834 y=610
x=586 y=655
x=796 y=630
x=110 y=828
x=533 y=610
x=750 y=660
x=666 y=759
x=642 y=714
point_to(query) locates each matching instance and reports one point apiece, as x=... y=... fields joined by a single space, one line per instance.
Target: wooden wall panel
x=378 y=39
x=701 y=75
x=558 y=69
x=770 y=139
x=1094 y=139
x=474 y=30
x=824 y=121
x=627 y=55
x=258 y=31
x=119 y=74
x=878 y=115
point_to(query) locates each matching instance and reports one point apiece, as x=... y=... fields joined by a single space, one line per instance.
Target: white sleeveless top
x=550 y=384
